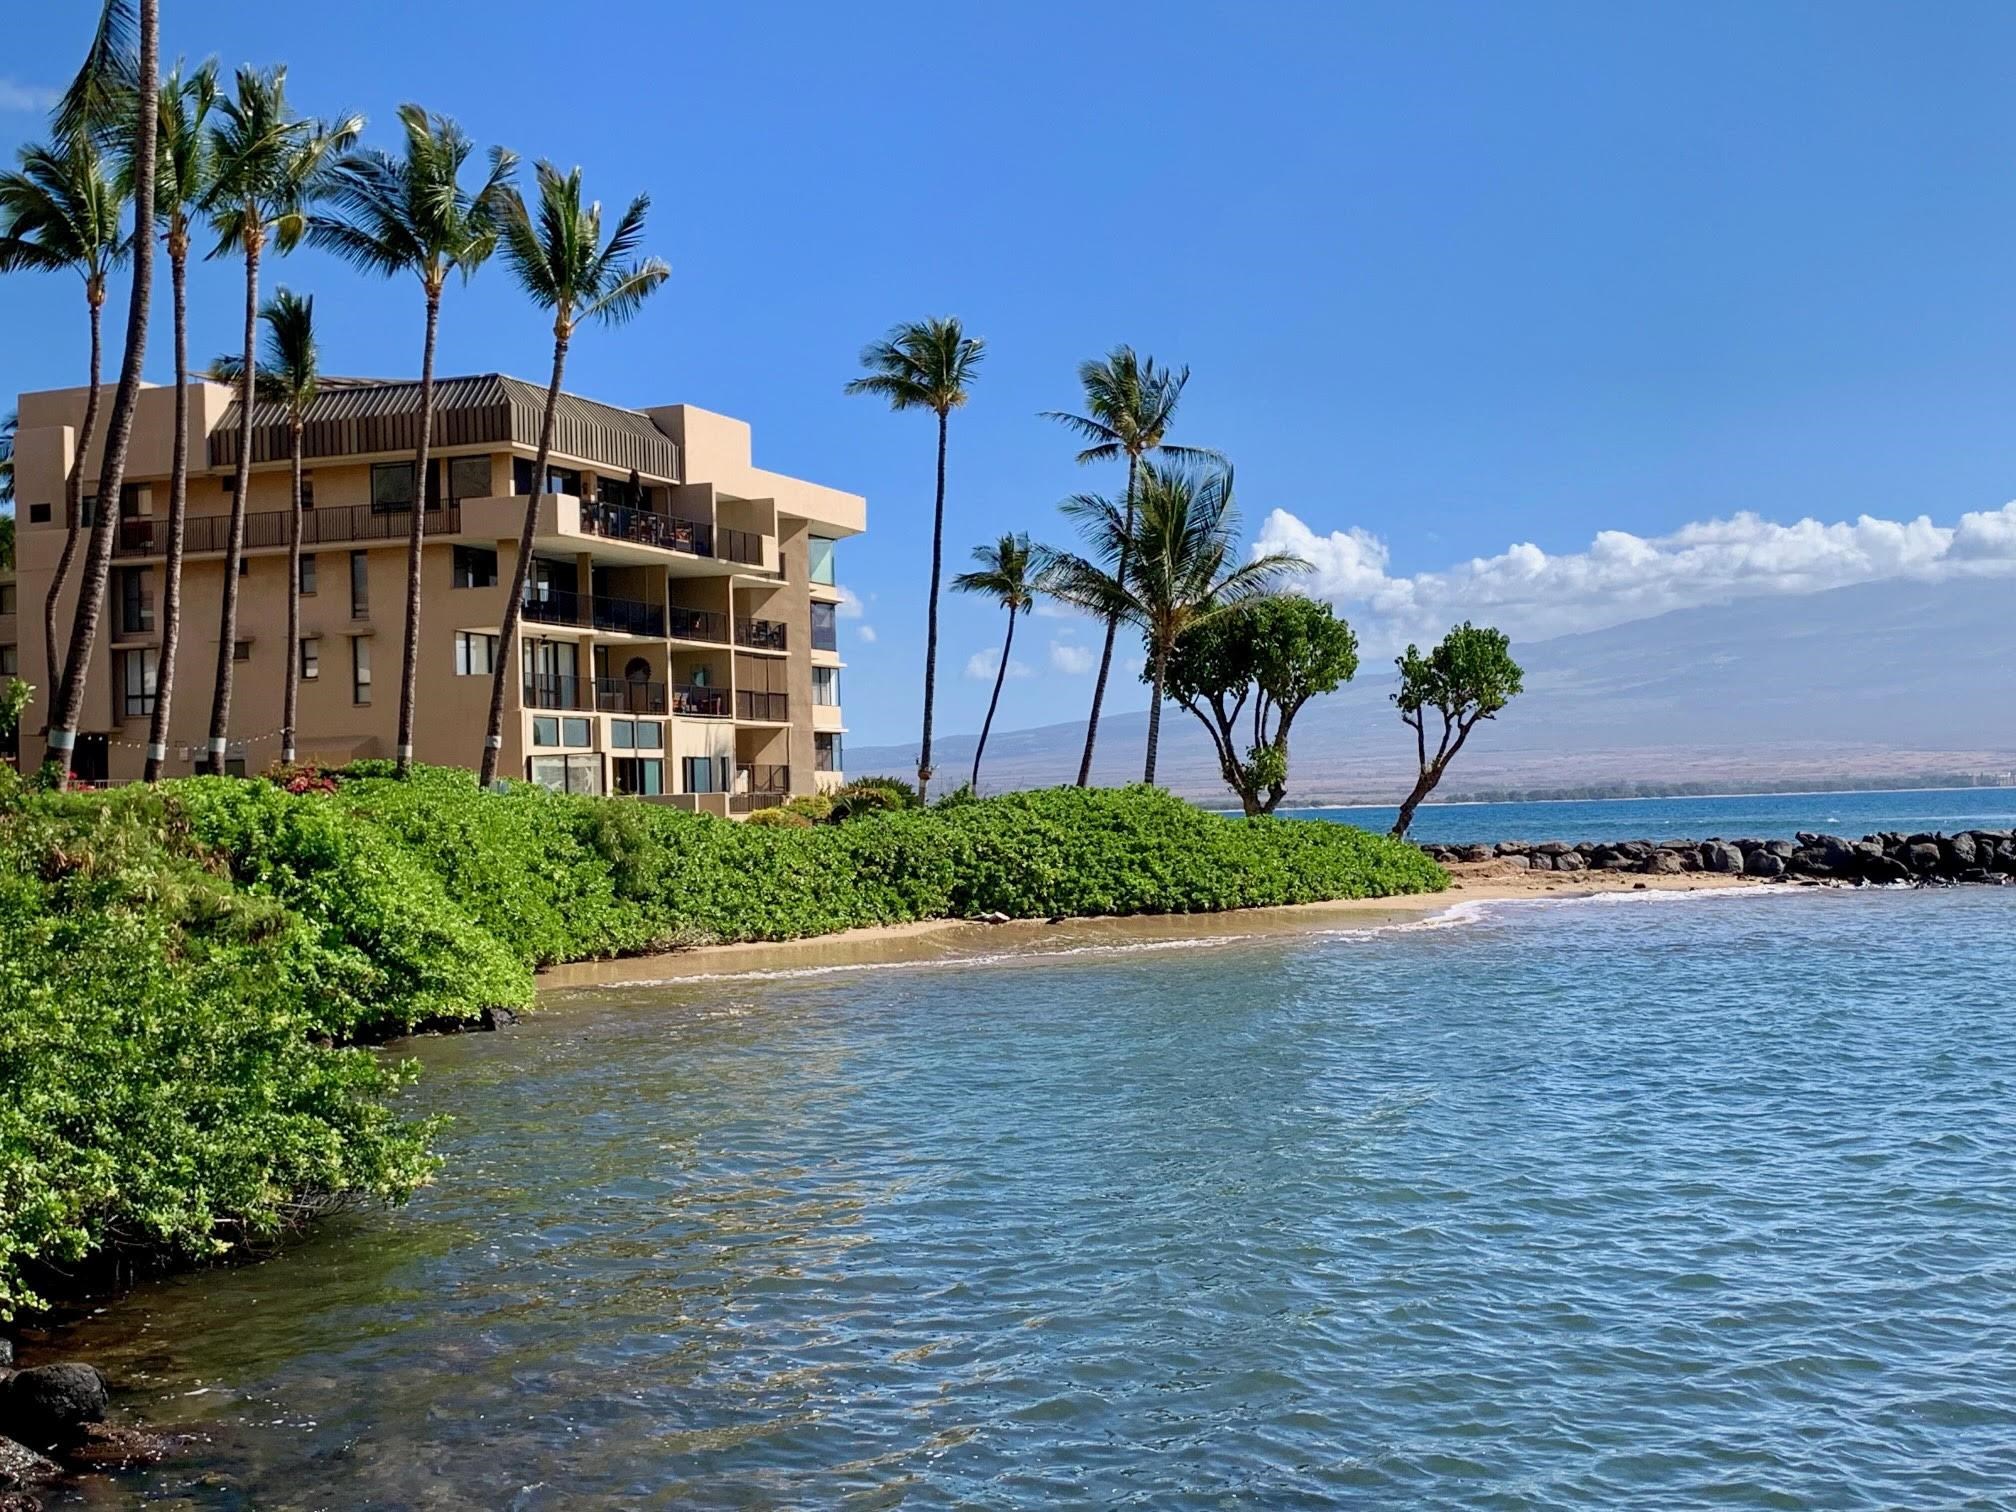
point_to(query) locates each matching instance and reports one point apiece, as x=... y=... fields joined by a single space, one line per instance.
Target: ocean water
x=1659 y=1201
x=1776 y=816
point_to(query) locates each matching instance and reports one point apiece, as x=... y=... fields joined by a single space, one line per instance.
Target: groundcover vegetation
x=186 y=970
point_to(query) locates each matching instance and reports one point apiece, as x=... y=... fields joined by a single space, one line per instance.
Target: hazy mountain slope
x=1883 y=679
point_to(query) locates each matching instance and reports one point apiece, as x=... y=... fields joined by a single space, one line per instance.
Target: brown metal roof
x=350 y=419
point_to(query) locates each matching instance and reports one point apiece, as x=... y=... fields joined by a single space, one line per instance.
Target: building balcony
x=560 y=606
x=762 y=708
x=627 y=695
x=619 y=533
x=702 y=703
x=555 y=691
x=762 y=635
x=147 y=535
x=698 y=625
x=760 y=787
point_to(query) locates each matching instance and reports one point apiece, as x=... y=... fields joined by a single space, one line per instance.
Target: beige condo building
x=679 y=637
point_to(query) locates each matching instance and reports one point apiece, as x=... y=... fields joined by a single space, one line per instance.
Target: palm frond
x=100 y=98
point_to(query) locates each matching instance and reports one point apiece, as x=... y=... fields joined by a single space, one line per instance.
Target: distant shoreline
x=1838 y=792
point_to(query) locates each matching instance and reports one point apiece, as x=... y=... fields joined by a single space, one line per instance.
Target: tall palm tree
x=1007 y=574
x=562 y=263
x=289 y=377
x=60 y=213
x=412 y=215
x=185 y=171
x=1180 y=569
x=100 y=98
x=270 y=164
x=7 y=429
x=67 y=695
x=925 y=364
x=1129 y=404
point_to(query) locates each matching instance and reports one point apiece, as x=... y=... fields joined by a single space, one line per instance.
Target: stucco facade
x=671 y=628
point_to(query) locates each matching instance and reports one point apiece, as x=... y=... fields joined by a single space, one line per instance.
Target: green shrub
x=779 y=818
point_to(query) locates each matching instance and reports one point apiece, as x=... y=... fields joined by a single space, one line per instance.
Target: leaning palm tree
x=60 y=213
x=562 y=263
x=289 y=376
x=925 y=364
x=185 y=171
x=1129 y=404
x=67 y=695
x=1179 y=568
x=270 y=164
x=1007 y=574
x=412 y=215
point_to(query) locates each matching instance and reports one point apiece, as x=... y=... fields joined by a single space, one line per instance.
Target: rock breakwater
x=1971 y=856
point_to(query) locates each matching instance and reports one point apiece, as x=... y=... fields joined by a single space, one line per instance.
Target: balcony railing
x=549 y=690
x=772 y=707
x=553 y=606
x=621 y=523
x=761 y=635
x=759 y=787
x=624 y=695
x=706 y=703
x=148 y=535
x=697 y=625
x=629 y=616
x=739 y=546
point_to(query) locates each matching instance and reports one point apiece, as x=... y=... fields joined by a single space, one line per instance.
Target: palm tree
x=100 y=98
x=185 y=170
x=1129 y=404
x=925 y=364
x=7 y=429
x=562 y=263
x=289 y=378
x=412 y=215
x=60 y=212
x=269 y=165
x=1179 y=568
x=67 y=695
x=1007 y=575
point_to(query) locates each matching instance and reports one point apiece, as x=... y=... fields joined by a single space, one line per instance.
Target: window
x=308 y=575
x=641 y=775
x=826 y=752
x=559 y=480
x=468 y=478
x=38 y=514
x=311 y=658
x=360 y=669
x=244 y=566
x=391 y=486
x=137 y=671
x=825 y=628
x=636 y=735
x=307 y=493
x=826 y=687
x=10 y=661
x=90 y=511
x=475 y=567
x=241 y=650
x=567 y=774
x=360 y=585
x=545 y=731
x=574 y=732
x=475 y=653
x=819 y=559
x=696 y=775
x=8 y=602
x=136 y=604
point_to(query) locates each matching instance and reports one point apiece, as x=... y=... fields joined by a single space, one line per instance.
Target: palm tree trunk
x=1112 y=628
x=74 y=503
x=409 y=667
x=507 y=635
x=178 y=510
x=931 y=620
x=291 y=688
x=1000 y=673
x=119 y=430
x=234 y=544
x=1155 y=715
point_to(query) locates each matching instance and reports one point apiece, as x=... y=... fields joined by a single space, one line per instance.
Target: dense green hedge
x=180 y=965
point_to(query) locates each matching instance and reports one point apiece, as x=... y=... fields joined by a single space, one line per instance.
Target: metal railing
x=549 y=690
x=772 y=707
x=629 y=616
x=760 y=787
x=761 y=634
x=697 y=624
x=707 y=703
x=620 y=522
x=738 y=546
x=147 y=535
x=553 y=606
x=624 y=695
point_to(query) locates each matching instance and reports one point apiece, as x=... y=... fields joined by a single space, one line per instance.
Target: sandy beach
x=951 y=940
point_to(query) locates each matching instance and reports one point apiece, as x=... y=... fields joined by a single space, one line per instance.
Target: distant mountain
x=1893 y=680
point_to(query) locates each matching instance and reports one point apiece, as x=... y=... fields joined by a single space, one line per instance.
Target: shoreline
x=1651 y=798
x=950 y=941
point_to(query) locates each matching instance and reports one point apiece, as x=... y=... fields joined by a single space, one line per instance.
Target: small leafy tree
x=15 y=696
x=1469 y=676
x=1247 y=675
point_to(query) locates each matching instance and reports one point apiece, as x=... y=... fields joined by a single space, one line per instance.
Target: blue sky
x=1451 y=278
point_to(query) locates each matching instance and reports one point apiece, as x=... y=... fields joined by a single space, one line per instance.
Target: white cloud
x=1619 y=577
x=1070 y=659
x=850 y=606
x=1050 y=608
x=981 y=664
x=865 y=634
x=15 y=96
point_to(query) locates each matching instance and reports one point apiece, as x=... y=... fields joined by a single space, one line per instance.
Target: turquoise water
x=1662 y=1202
x=1761 y=817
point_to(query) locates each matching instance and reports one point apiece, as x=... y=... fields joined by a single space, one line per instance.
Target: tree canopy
x=1468 y=676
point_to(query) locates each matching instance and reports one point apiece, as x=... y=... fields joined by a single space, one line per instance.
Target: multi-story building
x=679 y=638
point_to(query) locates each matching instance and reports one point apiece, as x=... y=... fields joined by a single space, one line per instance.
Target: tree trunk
x=931 y=620
x=234 y=546
x=1000 y=673
x=73 y=503
x=1112 y=629
x=1423 y=786
x=1155 y=716
x=178 y=509
x=507 y=634
x=291 y=687
x=119 y=431
x=409 y=666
